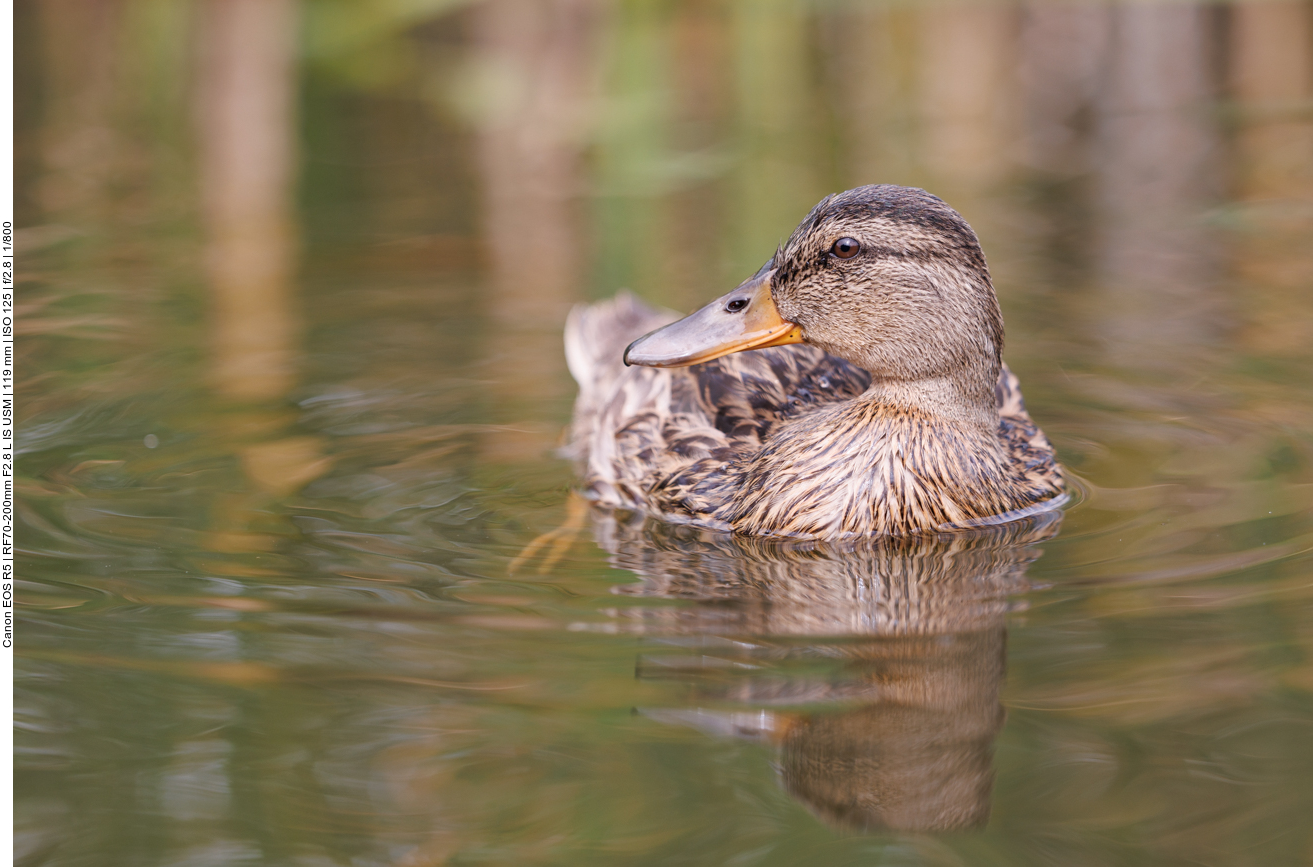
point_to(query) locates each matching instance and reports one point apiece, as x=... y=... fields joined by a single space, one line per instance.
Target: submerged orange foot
x=560 y=539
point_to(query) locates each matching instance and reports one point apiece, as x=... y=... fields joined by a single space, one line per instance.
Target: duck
x=853 y=387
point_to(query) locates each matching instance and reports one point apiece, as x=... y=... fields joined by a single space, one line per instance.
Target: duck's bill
x=744 y=319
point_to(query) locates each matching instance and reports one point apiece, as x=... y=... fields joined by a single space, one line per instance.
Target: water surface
x=292 y=390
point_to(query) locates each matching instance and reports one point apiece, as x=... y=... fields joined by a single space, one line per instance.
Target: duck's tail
x=596 y=336
x=595 y=339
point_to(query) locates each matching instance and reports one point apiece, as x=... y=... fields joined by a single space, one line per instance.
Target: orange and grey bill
x=744 y=319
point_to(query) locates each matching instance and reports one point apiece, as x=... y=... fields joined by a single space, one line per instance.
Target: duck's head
x=889 y=278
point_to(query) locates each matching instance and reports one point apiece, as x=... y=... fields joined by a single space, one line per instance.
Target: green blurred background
x=292 y=283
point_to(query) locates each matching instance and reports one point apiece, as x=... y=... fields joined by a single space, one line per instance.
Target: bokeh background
x=292 y=282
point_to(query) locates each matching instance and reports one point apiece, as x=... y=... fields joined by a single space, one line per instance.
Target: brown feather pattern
x=795 y=441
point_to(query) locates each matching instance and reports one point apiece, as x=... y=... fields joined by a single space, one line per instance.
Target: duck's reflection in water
x=875 y=669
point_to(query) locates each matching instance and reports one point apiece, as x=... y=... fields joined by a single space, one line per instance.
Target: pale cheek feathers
x=925 y=312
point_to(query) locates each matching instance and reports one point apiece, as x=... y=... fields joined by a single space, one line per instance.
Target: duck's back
x=635 y=426
x=645 y=437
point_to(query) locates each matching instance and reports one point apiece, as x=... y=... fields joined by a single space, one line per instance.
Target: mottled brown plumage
x=896 y=416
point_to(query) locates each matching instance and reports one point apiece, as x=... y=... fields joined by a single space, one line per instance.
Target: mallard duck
x=875 y=400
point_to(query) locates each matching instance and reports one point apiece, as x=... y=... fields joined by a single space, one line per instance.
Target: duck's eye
x=846 y=248
x=736 y=305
